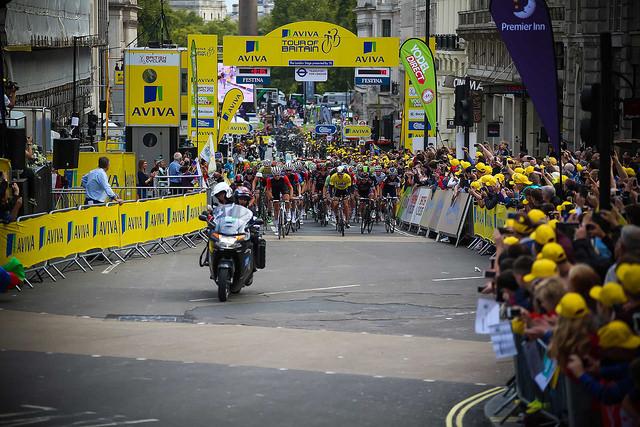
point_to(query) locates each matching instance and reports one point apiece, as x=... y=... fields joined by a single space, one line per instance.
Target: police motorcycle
x=235 y=250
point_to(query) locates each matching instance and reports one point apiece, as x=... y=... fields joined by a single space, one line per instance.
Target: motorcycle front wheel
x=224 y=284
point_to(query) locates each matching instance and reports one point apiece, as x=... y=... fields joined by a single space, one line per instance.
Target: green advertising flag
x=417 y=59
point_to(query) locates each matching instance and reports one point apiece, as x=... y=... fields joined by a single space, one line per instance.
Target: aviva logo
x=19 y=245
x=131 y=223
x=104 y=228
x=252 y=46
x=152 y=94
x=49 y=236
x=369 y=47
x=153 y=220
x=285 y=33
x=81 y=231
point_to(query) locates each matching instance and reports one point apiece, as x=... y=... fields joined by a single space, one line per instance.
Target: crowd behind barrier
x=42 y=241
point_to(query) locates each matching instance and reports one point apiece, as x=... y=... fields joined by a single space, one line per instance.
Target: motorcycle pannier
x=261 y=256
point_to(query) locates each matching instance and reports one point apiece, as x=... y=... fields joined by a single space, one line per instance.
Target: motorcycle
x=235 y=250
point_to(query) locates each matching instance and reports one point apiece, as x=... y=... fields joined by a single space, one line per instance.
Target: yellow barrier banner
x=501 y=216
x=311 y=44
x=152 y=87
x=489 y=223
x=478 y=221
x=356 y=131
x=61 y=234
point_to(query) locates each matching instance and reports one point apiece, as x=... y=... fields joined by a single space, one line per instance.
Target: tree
x=180 y=23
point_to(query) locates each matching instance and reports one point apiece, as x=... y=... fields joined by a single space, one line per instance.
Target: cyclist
x=294 y=179
x=341 y=184
x=390 y=186
x=366 y=189
x=279 y=188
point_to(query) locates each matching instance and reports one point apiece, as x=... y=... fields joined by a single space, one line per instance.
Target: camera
x=513 y=312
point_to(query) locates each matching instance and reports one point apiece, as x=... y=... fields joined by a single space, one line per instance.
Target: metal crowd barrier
x=54 y=269
x=64 y=198
x=563 y=403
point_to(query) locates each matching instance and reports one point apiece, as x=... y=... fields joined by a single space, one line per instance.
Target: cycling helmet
x=276 y=170
x=239 y=179
x=242 y=192
x=266 y=163
x=393 y=171
x=359 y=167
x=340 y=169
x=378 y=168
x=222 y=187
x=259 y=175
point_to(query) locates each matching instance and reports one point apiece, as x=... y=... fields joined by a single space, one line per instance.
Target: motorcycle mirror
x=203 y=217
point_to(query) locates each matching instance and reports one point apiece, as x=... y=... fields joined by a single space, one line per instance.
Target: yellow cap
x=519 y=224
x=629 y=276
x=579 y=167
x=519 y=178
x=572 y=306
x=552 y=223
x=609 y=294
x=630 y=171
x=518 y=170
x=510 y=240
x=529 y=170
x=478 y=154
x=554 y=252
x=618 y=334
x=490 y=181
x=541 y=269
x=537 y=216
x=454 y=162
x=553 y=161
x=544 y=234
x=499 y=177
x=465 y=164
x=476 y=185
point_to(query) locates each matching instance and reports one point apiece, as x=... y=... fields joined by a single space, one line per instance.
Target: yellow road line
x=452 y=412
x=470 y=405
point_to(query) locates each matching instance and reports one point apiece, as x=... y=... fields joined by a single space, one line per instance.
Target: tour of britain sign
x=311 y=44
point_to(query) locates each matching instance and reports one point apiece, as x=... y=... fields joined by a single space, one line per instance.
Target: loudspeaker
x=42 y=190
x=66 y=153
x=16 y=146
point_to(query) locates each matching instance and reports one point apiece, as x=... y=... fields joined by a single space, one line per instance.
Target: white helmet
x=340 y=169
x=222 y=186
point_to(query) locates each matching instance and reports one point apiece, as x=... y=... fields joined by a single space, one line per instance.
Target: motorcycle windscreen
x=232 y=219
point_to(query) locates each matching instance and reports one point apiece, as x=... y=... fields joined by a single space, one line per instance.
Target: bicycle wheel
x=369 y=226
x=363 y=224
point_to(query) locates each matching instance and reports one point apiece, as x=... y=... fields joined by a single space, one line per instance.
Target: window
x=559 y=56
x=386 y=28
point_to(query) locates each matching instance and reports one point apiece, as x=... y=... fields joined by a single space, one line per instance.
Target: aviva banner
x=59 y=235
x=311 y=44
x=230 y=105
x=152 y=87
x=203 y=78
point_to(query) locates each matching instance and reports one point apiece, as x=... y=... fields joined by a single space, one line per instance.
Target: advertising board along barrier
x=454 y=213
x=412 y=197
x=424 y=195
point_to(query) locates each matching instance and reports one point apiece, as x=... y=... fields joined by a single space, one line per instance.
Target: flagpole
x=427 y=30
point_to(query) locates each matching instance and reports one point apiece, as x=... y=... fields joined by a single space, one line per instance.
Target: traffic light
x=92 y=123
x=463 y=107
x=591 y=101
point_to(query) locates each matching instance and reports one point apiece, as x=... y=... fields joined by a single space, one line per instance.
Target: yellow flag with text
x=232 y=101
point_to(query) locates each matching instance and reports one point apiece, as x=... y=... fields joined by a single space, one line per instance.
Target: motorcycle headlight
x=227 y=240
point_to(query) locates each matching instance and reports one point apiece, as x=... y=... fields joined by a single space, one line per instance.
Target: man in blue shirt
x=96 y=184
x=174 y=171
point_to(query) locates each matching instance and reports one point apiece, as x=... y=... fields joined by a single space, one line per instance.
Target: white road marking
x=448 y=279
x=309 y=290
x=200 y=299
x=110 y=268
x=429 y=381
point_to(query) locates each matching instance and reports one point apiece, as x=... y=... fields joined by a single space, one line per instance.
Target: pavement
x=360 y=330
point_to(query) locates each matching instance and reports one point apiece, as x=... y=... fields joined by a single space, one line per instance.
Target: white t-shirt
x=7 y=101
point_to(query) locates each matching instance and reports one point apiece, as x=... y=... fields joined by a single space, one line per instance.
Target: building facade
x=38 y=53
x=265 y=7
x=209 y=10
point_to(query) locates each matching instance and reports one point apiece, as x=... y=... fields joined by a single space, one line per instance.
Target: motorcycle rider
x=243 y=198
x=222 y=194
